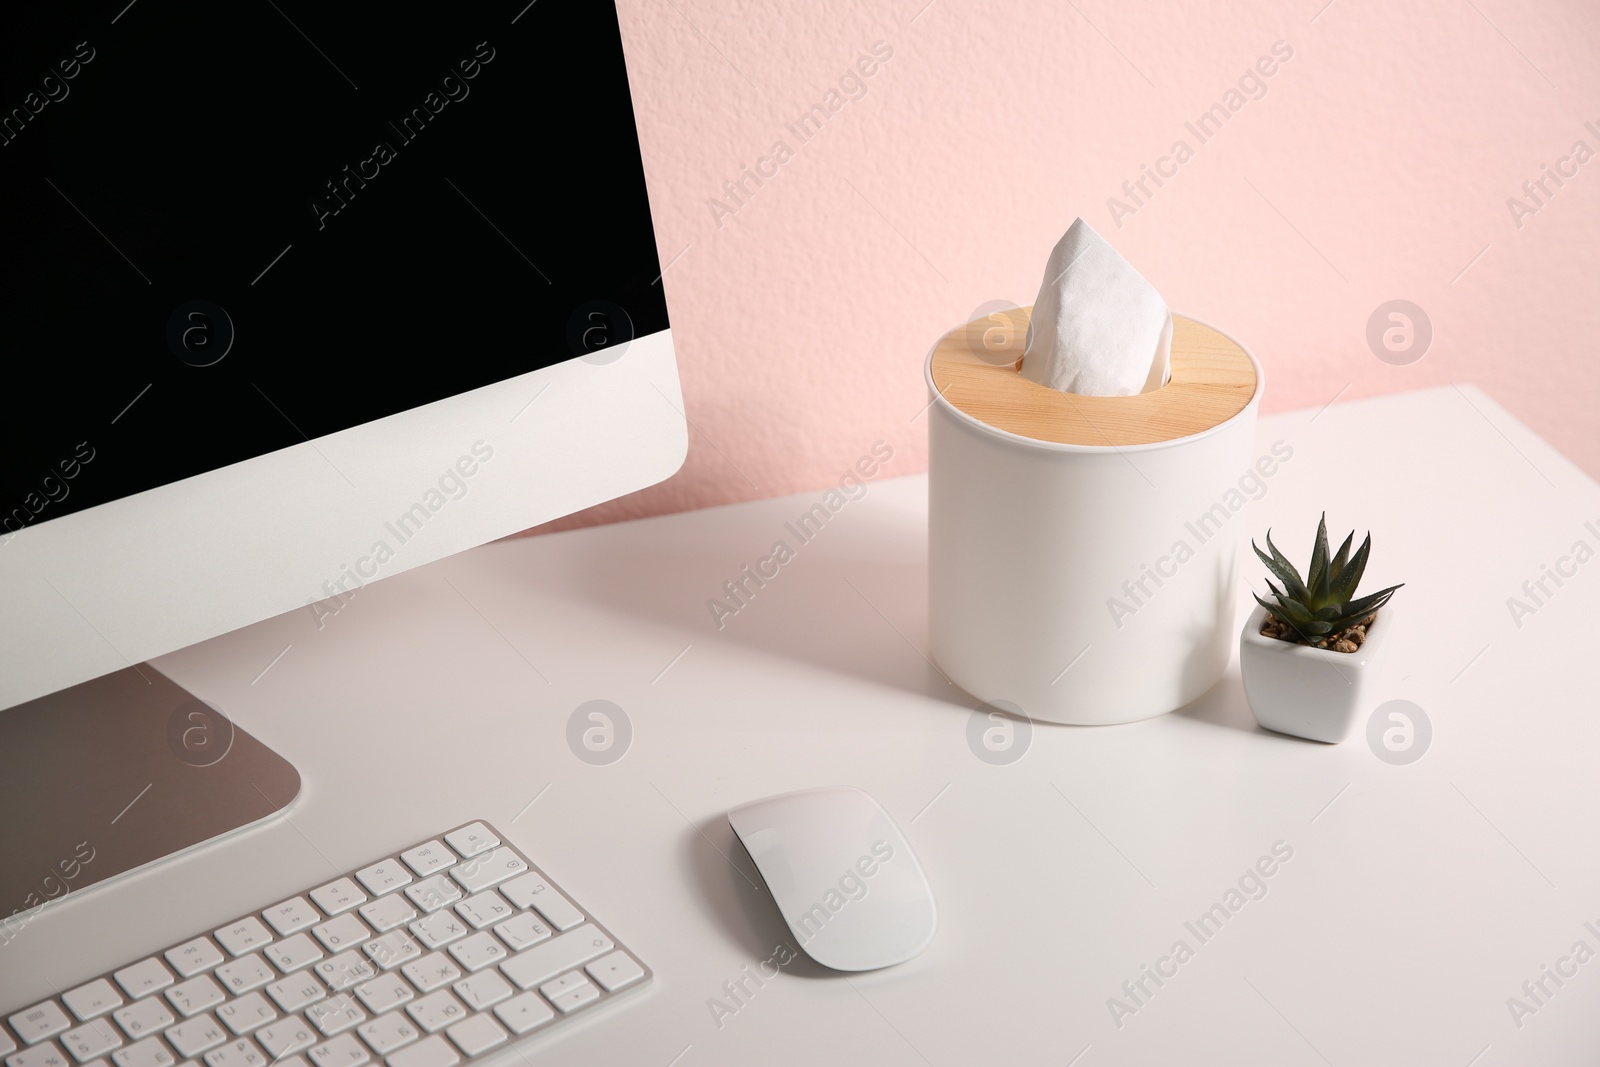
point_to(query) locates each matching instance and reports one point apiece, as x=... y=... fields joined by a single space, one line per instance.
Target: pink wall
x=1377 y=165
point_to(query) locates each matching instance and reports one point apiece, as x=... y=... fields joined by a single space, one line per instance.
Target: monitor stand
x=119 y=772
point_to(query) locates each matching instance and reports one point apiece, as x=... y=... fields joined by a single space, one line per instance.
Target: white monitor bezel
x=120 y=583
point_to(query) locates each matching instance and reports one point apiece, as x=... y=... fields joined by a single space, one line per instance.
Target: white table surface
x=1418 y=899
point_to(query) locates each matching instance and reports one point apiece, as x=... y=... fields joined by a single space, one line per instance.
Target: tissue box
x=1082 y=548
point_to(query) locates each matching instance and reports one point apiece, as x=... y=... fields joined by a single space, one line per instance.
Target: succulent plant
x=1325 y=603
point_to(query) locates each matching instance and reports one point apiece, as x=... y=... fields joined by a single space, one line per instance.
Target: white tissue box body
x=1056 y=577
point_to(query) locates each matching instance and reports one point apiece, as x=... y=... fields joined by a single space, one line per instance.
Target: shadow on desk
x=1224 y=704
x=852 y=601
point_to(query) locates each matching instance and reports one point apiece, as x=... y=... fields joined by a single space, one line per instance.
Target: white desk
x=1418 y=899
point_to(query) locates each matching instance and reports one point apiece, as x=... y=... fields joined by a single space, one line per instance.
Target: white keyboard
x=432 y=957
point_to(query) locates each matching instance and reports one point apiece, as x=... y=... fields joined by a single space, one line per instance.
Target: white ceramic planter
x=1314 y=693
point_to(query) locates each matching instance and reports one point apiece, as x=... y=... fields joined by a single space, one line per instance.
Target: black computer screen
x=226 y=228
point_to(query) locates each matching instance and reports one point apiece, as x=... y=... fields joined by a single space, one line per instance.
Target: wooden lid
x=1212 y=380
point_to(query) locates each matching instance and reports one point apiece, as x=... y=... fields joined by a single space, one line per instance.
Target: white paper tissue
x=1098 y=328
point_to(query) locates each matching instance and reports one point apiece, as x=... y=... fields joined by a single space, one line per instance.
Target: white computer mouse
x=843 y=876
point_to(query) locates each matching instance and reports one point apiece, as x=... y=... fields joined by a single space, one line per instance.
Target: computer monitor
x=299 y=297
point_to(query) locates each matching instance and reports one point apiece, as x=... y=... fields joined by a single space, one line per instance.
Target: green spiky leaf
x=1292 y=583
x=1280 y=566
x=1350 y=577
x=1317 y=575
x=1368 y=604
x=1336 y=568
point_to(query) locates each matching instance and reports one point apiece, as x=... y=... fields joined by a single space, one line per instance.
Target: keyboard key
x=557 y=986
x=531 y=890
x=39 y=1022
x=476 y=1034
x=439 y=929
x=429 y=1052
x=143 y=977
x=147 y=1053
x=478 y=951
x=96 y=998
x=246 y=1014
x=341 y=933
x=436 y=1010
x=431 y=971
x=344 y=970
x=484 y=909
x=524 y=1013
x=286 y=1061
x=387 y=913
x=296 y=991
x=151 y=1052
x=194 y=1036
x=544 y=961
x=292 y=915
x=241 y=1053
x=483 y=991
x=245 y=973
x=45 y=1055
x=428 y=857
x=143 y=1017
x=433 y=893
x=385 y=876
x=489 y=869
x=471 y=840
x=522 y=930
x=286 y=1036
x=338 y=896
x=557 y=910
x=572 y=999
x=294 y=952
x=8 y=1044
x=384 y=992
x=615 y=970
x=392 y=949
x=196 y=995
x=244 y=935
x=335 y=1015
x=94 y=1038
x=343 y=1051
x=388 y=1032
x=192 y=957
